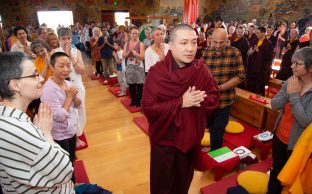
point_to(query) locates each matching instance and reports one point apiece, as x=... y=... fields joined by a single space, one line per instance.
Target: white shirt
x=20 y=48
x=151 y=57
x=119 y=56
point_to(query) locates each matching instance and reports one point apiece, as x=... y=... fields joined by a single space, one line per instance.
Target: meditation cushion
x=206 y=139
x=234 y=127
x=253 y=181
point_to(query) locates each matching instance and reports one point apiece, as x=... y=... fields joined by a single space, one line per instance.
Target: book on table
x=242 y=152
x=222 y=154
x=265 y=136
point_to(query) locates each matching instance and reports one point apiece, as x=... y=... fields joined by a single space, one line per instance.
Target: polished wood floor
x=118 y=154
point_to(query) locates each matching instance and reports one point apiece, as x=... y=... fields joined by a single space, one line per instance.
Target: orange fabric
x=304 y=38
x=284 y=127
x=237 y=39
x=296 y=174
x=40 y=63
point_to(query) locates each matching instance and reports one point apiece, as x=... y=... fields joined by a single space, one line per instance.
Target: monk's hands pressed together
x=193 y=97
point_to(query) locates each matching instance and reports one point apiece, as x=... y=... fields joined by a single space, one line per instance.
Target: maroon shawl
x=169 y=123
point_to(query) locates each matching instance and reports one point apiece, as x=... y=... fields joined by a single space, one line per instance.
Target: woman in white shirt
x=157 y=51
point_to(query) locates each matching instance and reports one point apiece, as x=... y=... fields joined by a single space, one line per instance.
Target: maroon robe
x=169 y=123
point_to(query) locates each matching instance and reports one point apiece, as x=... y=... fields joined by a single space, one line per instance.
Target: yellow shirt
x=260 y=41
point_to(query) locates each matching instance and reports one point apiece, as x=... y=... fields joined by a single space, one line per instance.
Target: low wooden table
x=255 y=113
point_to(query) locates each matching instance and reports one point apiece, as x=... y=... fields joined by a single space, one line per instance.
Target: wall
x=16 y=12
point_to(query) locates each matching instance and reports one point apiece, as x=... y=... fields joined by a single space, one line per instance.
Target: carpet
x=142 y=123
x=241 y=139
x=126 y=102
x=80 y=172
x=114 y=91
x=221 y=186
x=84 y=139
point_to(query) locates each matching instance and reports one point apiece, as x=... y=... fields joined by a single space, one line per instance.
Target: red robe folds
x=169 y=123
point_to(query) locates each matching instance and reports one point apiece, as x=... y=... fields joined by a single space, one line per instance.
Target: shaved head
x=220 y=33
x=219 y=39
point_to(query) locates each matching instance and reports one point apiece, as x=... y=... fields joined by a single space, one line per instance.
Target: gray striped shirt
x=28 y=162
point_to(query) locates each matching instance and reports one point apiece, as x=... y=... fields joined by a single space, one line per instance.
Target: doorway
x=55 y=19
x=112 y=16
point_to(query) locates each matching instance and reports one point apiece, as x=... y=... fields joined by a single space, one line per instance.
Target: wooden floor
x=118 y=154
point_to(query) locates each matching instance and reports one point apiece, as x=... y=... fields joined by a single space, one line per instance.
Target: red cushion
x=126 y=102
x=80 y=172
x=142 y=122
x=241 y=139
x=221 y=187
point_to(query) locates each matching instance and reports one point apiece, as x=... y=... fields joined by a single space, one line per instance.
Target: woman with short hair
x=294 y=101
x=31 y=162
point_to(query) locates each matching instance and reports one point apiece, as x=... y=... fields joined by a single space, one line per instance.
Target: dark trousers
x=255 y=83
x=216 y=124
x=88 y=49
x=136 y=94
x=280 y=155
x=171 y=171
x=69 y=145
x=99 y=68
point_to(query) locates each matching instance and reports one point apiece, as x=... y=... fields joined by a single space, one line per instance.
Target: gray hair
x=64 y=32
x=10 y=68
x=304 y=54
x=157 y=28
x=39 y=43
x=173 y=31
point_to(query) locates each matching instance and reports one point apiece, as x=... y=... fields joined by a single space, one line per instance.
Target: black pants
x=69 y=145
x=136 y=94
x=280 y=155
x=216 y=124
x=171 y=171
x=88 y=49
x=99 y=68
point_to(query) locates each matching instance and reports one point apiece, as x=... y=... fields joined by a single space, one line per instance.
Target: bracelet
x=75 y=64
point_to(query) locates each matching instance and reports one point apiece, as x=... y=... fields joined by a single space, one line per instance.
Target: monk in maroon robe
x=178 y=94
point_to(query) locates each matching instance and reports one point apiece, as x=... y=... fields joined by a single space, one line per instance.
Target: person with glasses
x=30 y=160
x=135 y=75
x=294 y=101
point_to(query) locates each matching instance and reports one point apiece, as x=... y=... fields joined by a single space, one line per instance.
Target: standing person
x=294 y=101
x=95 y=51
x=121 y=67
x=106 y=46
x=178 y=93
x=30 y=160
x=62 y=97
x=251 y=36
x=52 y=40
x=226 y=65
x=291 y=45
x=157 y=51
x=201 y=45
x=22 y=44
x=259 y=68
x=241 y=43
x=135 y=75
x=148 y=40
x=77 y=69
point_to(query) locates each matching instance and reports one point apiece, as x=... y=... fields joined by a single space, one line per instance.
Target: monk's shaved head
x=219 y=39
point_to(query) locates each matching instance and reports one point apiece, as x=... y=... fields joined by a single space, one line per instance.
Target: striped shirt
x=225 y=66
x=28 y=162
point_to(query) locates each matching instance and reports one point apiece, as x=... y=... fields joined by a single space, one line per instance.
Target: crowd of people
x=41 y=75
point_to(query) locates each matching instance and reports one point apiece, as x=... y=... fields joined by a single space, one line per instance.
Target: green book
x=222 y=154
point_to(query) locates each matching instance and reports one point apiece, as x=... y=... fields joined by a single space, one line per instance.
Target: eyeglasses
x=36 y=75
x=296 y=63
